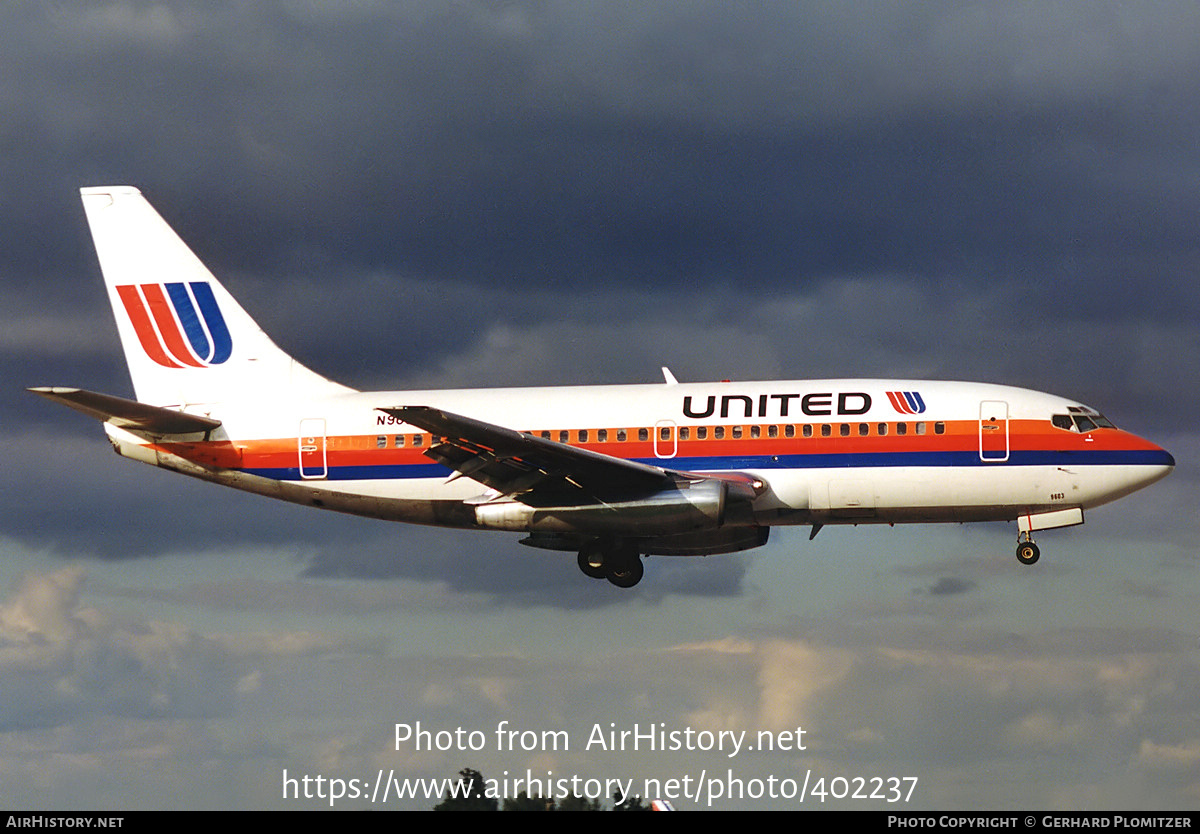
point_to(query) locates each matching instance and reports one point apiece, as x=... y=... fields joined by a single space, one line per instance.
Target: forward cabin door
x=993 y=431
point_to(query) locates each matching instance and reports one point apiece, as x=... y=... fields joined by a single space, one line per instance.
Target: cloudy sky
x=522 y=193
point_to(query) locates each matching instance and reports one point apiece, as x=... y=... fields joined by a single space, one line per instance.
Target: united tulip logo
x=906 y=402
x=178 y=324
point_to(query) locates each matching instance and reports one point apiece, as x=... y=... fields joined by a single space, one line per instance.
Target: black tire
x=1027 y=553
x=593 y=561
x=628 y=574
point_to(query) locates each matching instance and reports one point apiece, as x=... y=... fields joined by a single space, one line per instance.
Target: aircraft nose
x=1158 y=463
x=1139 y=464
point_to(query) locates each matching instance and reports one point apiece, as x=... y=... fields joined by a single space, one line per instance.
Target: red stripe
x=898 y=403
x=167 y=325
x=142 y=325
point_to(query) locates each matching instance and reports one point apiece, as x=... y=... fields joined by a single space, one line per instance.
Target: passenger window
x=664 y=433
x=701 y=432
x=602 y=435
x=939 y=428
x=772 y=431
x=381 y=441
x=583 y=435
x=398 y=441
x=920 y=428
x=844 y=430
x=736 y=432
x=902 y=428
x=756 y=431
x=718 y=432
x=564 y=436
x=790 y=431
x=418 y=439
x=621 y=435
x=643 y=434
x=545 y=435
x=807 y=430
x=826 y=430
x=863 y=429
x=883 y=430
x=684 y=432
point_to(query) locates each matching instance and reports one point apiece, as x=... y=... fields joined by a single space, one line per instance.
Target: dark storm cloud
x=608 y=143
x=567 y=150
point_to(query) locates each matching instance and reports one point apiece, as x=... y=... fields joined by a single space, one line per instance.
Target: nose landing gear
x=1027 y=551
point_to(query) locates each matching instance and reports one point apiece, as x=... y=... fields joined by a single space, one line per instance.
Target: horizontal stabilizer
x=128 y=414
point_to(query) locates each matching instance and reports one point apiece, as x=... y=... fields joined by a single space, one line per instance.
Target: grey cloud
x=1098 y=709
x=949 y=585
x=469 y=569
x=1111 y=712
x=63 y=662
x=313 y=598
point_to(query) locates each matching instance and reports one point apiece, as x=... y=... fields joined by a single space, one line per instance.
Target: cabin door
x=993 y=431
x=311 y=448
x=666 y=440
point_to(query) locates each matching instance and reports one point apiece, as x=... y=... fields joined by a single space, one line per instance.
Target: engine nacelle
x=700 y=505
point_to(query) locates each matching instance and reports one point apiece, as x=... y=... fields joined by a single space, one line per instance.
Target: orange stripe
x=142 y=325
x=167 y=325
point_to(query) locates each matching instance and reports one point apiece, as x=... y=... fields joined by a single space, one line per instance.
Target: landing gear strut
x=620 y=564
x=1027 y=551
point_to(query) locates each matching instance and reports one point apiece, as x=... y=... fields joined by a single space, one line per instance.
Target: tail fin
x=186 y=339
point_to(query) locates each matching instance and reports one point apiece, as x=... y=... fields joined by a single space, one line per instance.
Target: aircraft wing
x=542 y=472
x=128 y=414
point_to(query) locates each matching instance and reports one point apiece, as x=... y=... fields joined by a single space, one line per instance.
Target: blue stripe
x=182 y=302
x=222 y=341
x=1142 y=457
x=357 y=473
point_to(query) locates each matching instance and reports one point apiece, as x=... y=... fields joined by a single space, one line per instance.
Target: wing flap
x=516 y=463
x=128 y=414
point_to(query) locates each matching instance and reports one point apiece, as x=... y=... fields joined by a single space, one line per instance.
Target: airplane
x=609 y=472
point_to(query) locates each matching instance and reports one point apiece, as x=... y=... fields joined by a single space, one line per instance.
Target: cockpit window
x=1080 y=421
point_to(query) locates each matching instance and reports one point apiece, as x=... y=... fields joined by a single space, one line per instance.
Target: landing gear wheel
x=627 y=574
x=593 y=561
x=1027 y=553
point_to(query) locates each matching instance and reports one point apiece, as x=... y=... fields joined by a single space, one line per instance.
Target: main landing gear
x=620 y=564
x=1027 y=551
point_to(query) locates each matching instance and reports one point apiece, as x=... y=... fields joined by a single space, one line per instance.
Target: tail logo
x=178 y=324
x=906 y=402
